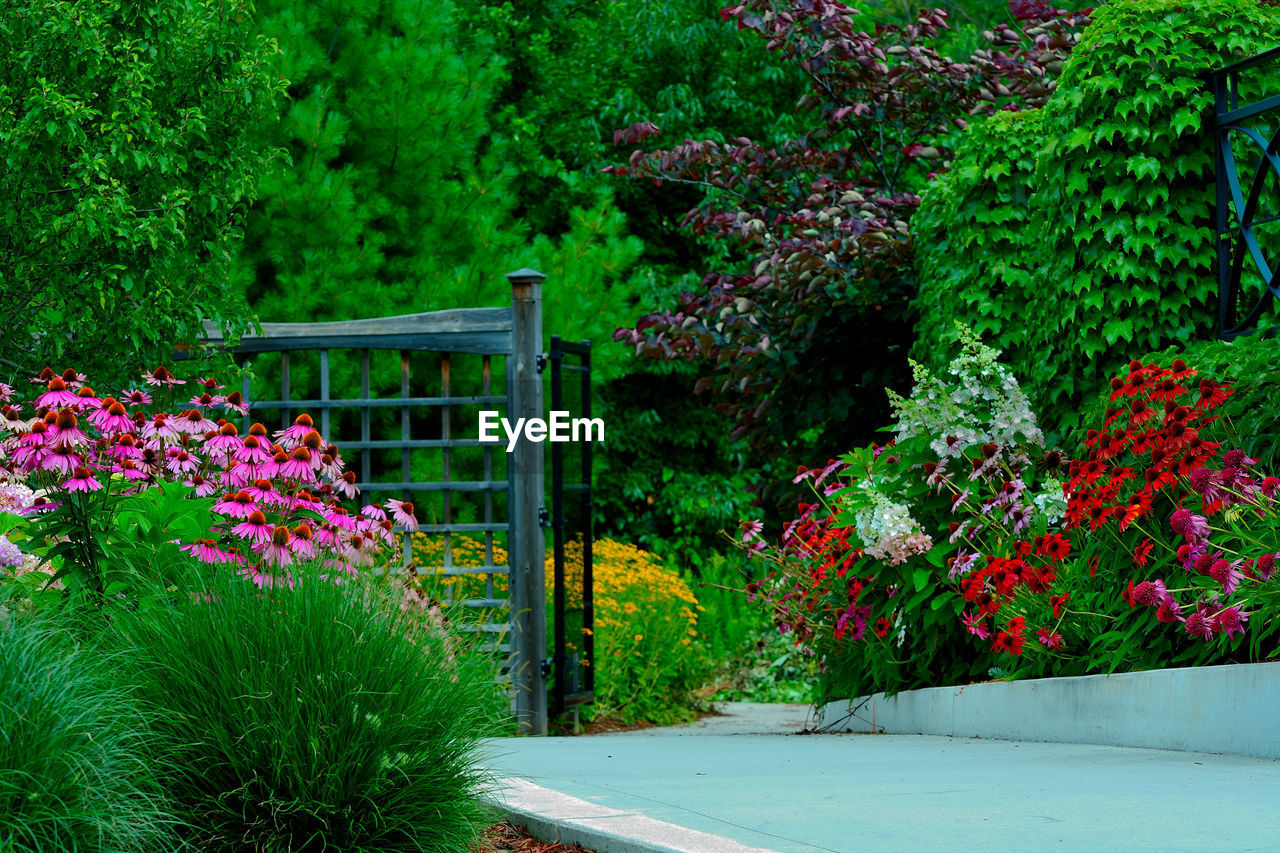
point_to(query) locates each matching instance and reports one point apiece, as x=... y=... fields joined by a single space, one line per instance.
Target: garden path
x=749 y=780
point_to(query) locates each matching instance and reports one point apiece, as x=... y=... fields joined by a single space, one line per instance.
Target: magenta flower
x=83 y=481
x=136 y=398
x=111 y=417
x=162 y=378
x=975 y=625
x=1230 y=620
x=255 y=528
x=339 y=518
x=298 y=466
x=61 y=458
x=181 y=462
x=1185 y=523
x=57 y=396
x=1227 y=574
x=402 y=514
x=275 y=550
x=1048 y=638
x=225 y=444
x=238 y=505
x=65 y=427
x=292 y=437
x=194 y=422
x=252 y=451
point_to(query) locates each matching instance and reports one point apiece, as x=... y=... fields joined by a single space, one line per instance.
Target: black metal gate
x=573 y=657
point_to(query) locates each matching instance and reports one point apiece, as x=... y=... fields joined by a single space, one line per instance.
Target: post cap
x=525 y=274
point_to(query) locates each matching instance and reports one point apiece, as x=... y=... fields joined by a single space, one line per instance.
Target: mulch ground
x=506 y=837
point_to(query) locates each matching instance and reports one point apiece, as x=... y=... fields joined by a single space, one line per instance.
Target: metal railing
x=1241 y=245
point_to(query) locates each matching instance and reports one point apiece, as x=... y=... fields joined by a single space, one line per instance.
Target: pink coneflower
x=225 y=442
x=57 y=396
x=1150 y=593
x=129 y=470
x=263 y=580
x=82 y=481
x=134 y=397
x=326 y=536
x=206 y=551
x=1200 y=623
x=373 y=512
x=402 y=514
x=61 y=458
x=255 y=527
x=237 y=505
x=275 y=550
x=72 y=378
x=1266 y=566
x=301 y=544
x=264 y=492
x=346 y=484
x=111 y=417
x=1227 y=574
x=203 y=400
x=194 y=422
x=210 y=384
x=234 y=402
x=236 y=476
x=340 y=518
x=6 y=393
x=252 y=451
x=180 y=462
x=161 y=377
x=358 y=551
x=297 y=466
x=159 y=429
x=85 y=400
x=203 y=487
x=1185 y=523
x=331 y=464
x=290 y=437
x=65 y=427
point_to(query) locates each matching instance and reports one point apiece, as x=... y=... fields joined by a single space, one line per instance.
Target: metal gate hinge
x=541 y=362
x=544 y=517
x=547 y=664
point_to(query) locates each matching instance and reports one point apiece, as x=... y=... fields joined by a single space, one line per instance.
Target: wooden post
x=524 y=501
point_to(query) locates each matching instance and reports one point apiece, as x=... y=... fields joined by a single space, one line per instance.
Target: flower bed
x=964 y=548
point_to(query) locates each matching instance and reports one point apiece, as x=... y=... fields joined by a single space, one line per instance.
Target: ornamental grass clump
x=73 y=741
x=321 y=717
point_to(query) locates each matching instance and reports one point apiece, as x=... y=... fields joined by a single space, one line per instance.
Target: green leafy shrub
x=973 y=237
x=73 y=776
x=126 y=130
x=1119 y=239
x=318 y=717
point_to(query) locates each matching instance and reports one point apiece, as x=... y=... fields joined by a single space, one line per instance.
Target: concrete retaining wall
x=1229 y=709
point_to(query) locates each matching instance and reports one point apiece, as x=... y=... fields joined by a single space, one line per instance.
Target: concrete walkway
x=749 y=781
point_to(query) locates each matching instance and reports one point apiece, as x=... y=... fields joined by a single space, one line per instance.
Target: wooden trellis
x=508 y=342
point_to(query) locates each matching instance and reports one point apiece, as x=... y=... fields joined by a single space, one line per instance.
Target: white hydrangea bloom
x=1051 y=502
x=986 y=406
x=887 y=530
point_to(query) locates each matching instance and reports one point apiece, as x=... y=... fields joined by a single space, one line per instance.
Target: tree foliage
x=127 y=156
x=817 y=323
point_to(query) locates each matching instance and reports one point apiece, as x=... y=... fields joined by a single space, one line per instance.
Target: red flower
x=1048 y=638
x=1056 y=602
x=1127 y=595
x=1142 y=553
x=883 y=626
x=1054 y=546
